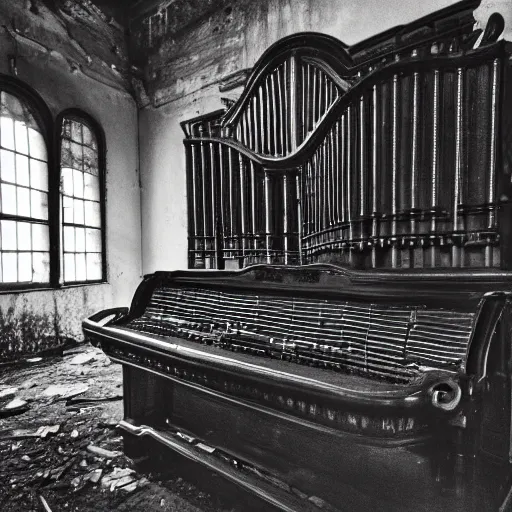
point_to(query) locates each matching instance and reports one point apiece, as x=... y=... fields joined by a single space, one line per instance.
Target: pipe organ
x=345 y=345
x=387 y=162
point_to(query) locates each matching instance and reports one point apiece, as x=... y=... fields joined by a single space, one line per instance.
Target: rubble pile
x=59 y=446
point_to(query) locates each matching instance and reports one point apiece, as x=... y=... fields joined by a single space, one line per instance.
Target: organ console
x=342 y=340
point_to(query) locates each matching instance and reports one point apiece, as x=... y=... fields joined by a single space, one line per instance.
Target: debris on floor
x=59 y=447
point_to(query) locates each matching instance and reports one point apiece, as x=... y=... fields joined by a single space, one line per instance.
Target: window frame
x=83 y=117
x=51 y=127
x=43 y=117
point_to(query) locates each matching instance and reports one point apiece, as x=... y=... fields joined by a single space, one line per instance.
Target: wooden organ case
x=342 y=340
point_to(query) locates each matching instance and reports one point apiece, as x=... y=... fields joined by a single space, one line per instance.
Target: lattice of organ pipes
x=231 y=199
x=314 y=95
x=299 y=195
x=305 y=205
x=316 y=190
x=414 y=150
x=286 y=219
x=323 y=178
x=222 y=194
x=336 y=149
x=213 y=174
x=457 y=199
x=304 y=101
x=394 y=171
x=375 y=225
x=269 y=120
x=197 y=199
x=268 y=218
x=255 y=132
x=312 y=198
x=309 y=96
x=348 y=186
x=435 y=165
x=206 y=244
x=491 y=224
x=363 y=182
x=195 y=194
x=262 y=128
x=247 y=128
x=242 y=204
x=261 y=132
x=343 y=170
x=192 y=194
x=253 y=205
x=282 y=123
x=274 y=103
x=325 y=184
x=332 y=177
x=292 y=110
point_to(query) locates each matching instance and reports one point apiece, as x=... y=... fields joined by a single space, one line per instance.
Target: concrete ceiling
x=126 y=10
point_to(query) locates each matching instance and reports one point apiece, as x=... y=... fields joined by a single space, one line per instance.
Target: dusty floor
x=78 y=399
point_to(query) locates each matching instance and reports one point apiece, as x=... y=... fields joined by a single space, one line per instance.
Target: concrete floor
x=58 y=465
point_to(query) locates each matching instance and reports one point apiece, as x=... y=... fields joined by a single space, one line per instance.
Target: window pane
x=40 y=267
x=38 y=175
x=7 y=132
x=10 y=267
x=22 y=175
x=8 y=228
x=24 y=201
x=94 y=267
x=39 y=204
x=80 y=193
x=23 y=169
x=76 y=156
x=89 y=138
x=67 y=206
x=93 y=240
x=25 y=267
x=92 y=187
x=78 y=183
x=69 y=267
x=37 y=146
x=7 y=167
x=69 y=239
x=67 y=181
x=79 y=239
x=76 y=131
x=24 y=236
x=78 y=211
x=92 y=214
x=8 y=199
x=66 y=128
x=40 y=237
x=21 y=137
x=80 y=268
x=90 y=161
x=66 y=159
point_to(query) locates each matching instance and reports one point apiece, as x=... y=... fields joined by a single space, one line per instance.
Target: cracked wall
x=64 y=51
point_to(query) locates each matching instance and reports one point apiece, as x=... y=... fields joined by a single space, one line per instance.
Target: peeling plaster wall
x=183 y=71
x=60 y=312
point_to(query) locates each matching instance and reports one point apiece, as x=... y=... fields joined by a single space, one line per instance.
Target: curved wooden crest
x=290 y=89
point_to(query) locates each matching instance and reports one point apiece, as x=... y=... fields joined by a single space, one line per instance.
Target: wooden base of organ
x=338 y=420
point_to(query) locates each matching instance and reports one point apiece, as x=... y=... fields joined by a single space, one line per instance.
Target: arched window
x=82 y=199
x=24 y=215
